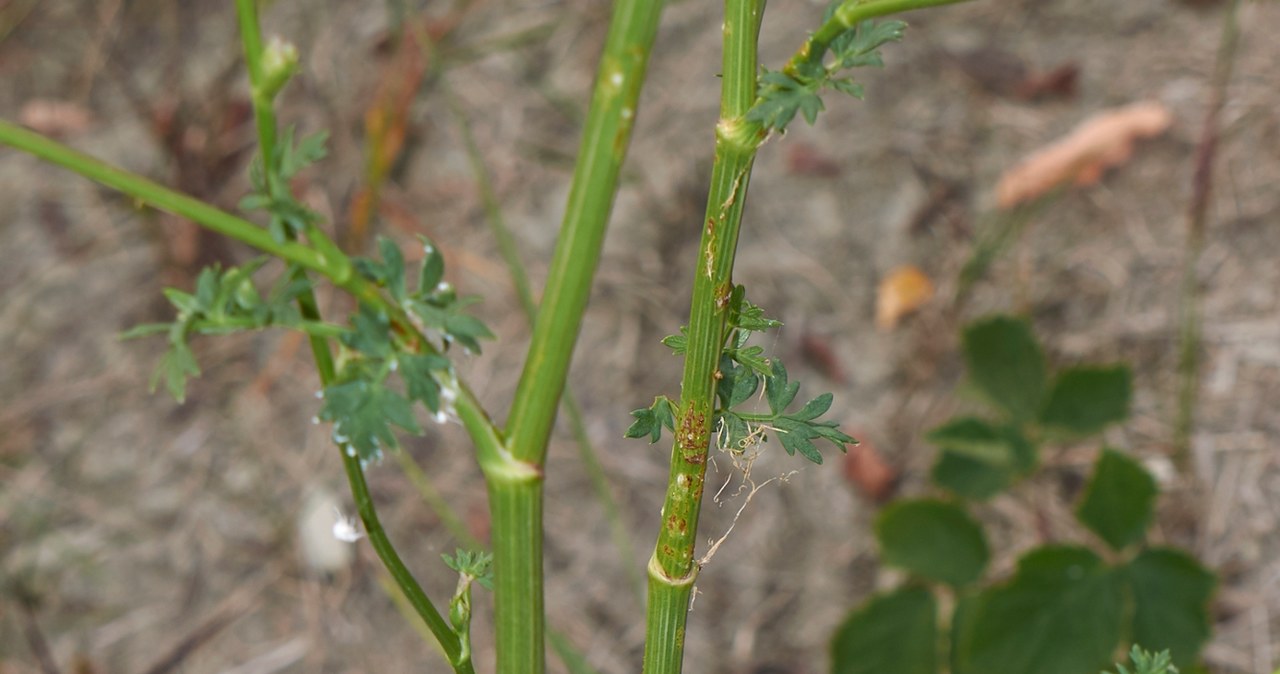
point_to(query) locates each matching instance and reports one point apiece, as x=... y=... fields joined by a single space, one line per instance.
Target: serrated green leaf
x=1171 y=593
x=1148 y=663
x=797 y=436
x=393 y=264
x=814 y=408
x=419 y=383
x=1006 y=364
x=1119 y=500
x=849 y=87
x=858 y=47
x=1061 y=613
x=752 y=357
x=932 y=539
x=176 y=366
x=432 y=270
x=370 y=333
x=308 y=151
x=645 y=424
x=1085 y=400
x=828 y=430
x=363 y=413
x=677 y=343
x=185 y=303
x=740 y=383
x=777 y=390
x=781 y=97
x=895 y=632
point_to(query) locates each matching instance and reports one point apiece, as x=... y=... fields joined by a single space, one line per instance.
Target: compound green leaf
x=1085 y=400
x=363 y=413
x=935 y=540
x=1005 y=363
x=1119 y=500
x=1061 y=613
x=1171 y=593
x=419 y=383
x=895 y=632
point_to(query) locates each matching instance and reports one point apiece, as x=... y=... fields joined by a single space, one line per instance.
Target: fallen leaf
x=903 y=291
x=867 y=470
x=54 y=118
x=1100 y=142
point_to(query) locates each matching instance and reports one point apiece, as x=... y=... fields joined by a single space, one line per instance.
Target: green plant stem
x=153 y=194
x=333 y=265
x=595 y=180
x=515 y=486
x=672 y=569
x=520 y=280
x=1189 y=330
x=264 y=115
x=848 y=15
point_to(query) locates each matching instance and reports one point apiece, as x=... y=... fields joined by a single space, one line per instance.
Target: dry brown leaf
x=904 y=290
x=1100 y=142
x=867 y=470
x=54 y=118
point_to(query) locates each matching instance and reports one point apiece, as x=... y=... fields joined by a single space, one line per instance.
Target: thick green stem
x=516 y=506
x=672 y=570
x=520 y=280
x=515 y=509
x=595 y=181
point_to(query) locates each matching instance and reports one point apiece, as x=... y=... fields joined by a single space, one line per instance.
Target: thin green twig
x=264 y=115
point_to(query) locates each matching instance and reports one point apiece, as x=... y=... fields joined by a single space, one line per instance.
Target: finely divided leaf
x=363 y=413
x=419 y=383
x=777 y=390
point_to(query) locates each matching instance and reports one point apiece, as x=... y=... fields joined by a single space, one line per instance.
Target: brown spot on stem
x=723 y=292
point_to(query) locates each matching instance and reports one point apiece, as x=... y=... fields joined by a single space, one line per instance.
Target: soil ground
x=139 y=535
